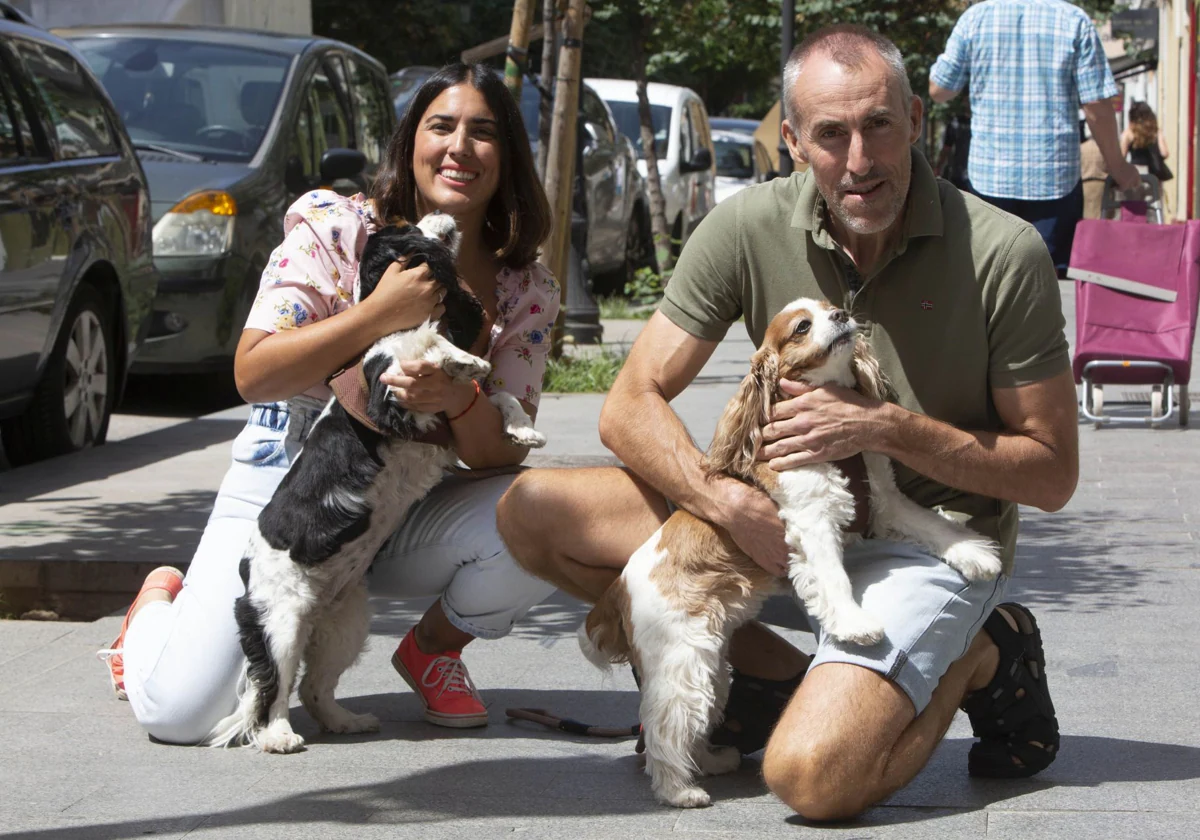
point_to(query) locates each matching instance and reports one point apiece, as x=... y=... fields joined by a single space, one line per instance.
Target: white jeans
x=183 y=659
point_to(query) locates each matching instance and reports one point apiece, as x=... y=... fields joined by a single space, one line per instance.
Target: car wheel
x=72 y=404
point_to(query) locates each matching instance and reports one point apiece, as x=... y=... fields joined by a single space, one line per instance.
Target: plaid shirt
x=1030 y=64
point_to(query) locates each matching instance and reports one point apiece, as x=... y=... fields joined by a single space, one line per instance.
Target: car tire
x=73 y=401
x=639 y=251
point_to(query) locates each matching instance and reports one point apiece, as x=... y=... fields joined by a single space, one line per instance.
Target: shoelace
x=451 y=674
x=108 y=653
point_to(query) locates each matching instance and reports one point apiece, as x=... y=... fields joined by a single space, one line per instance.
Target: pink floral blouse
x=311 y=276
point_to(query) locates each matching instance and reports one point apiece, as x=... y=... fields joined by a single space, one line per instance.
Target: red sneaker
x=167 y=578
x=443 y=684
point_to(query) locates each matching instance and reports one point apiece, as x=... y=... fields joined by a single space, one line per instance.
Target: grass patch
x=587 y=373
x=620 y=308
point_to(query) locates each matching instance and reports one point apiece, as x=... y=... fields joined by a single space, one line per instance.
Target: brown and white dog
x=683 y=593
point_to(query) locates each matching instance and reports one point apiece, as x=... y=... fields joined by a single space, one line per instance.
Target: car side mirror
x=341 y=164
x=700 y=161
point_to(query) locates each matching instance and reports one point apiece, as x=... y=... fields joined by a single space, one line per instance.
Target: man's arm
x=1035 y=461
x=940 y=94
x=638 y=425
x=1102 y=122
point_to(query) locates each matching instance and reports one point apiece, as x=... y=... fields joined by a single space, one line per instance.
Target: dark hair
x=1144 y=125
x=518 y=220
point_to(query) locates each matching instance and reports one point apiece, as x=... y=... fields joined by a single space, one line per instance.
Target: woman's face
x=456 y=154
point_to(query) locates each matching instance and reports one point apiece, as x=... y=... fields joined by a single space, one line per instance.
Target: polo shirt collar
x=922 y=213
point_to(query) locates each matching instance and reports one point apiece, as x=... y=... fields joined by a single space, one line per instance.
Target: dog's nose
x=839 y=316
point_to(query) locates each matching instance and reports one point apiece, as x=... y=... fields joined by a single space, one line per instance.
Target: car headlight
x=199 y=226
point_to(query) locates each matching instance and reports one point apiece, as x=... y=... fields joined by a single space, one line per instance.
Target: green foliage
x=646 y=287
x=617 y=308
x=585 y=373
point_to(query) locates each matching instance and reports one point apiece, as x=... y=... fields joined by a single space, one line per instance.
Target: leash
x=572 y=726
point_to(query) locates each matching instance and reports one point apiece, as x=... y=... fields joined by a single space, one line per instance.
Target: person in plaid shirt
x=1031 y=64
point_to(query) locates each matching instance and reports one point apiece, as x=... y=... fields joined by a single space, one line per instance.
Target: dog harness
x=349 y=386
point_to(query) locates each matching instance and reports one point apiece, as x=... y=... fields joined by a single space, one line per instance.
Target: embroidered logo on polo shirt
x=927 y=304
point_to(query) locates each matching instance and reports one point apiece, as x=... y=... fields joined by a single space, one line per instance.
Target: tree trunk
x=550 y=26
x=560 y=160
x=664 y=256
x=518 y=46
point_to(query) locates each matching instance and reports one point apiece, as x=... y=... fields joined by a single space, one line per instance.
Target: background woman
x=461 y=149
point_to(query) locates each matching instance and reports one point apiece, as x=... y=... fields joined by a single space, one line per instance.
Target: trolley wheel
x=1183 y=405
x=1158 y=401
x=1098 y=403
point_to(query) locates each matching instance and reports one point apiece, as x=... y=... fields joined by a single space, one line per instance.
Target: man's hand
x=825 y=423
x=754 y=524
x=1127 y=177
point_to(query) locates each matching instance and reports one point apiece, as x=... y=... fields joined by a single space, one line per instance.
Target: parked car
x=76 y=277
x=231 y=126
x=405 y=83
x=683 y=142
x=617 y=240
x=738 y=124
x=741 y=161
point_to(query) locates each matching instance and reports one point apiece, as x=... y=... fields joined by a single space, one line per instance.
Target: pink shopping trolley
x=1137 y=286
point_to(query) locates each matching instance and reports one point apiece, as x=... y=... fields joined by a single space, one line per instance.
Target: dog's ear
x=868 y=376
x=735 y=446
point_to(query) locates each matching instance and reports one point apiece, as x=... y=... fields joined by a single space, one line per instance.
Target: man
x=986 y=410
x=1031 y=64
x=956 y=147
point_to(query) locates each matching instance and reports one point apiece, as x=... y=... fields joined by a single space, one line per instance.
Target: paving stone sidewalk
x=1114 y=580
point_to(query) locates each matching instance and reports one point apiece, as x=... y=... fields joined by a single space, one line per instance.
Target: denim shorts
x=930 y=614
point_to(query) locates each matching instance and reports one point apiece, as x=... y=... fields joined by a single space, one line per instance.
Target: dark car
x=231 y=126
x=618 y=239
x=76 y=277
x=738 y=124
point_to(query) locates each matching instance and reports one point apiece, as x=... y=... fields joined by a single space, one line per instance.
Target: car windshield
x=734 y=158
x=626 y=115
x=203 y=99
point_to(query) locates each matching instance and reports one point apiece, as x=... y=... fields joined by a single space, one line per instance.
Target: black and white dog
x=346 y=493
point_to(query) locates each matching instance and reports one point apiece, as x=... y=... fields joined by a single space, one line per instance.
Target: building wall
x=291 y=16
x=1174 y=76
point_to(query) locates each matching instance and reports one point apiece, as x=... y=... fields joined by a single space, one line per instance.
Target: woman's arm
x=274 y=366
x=1162 y=146
x=1126 y=142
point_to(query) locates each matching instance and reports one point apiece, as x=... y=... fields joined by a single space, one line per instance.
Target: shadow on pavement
x=111 y=459
x=165 y=530
x=179 y=395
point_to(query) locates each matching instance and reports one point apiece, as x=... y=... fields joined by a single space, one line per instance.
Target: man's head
x=851 y=115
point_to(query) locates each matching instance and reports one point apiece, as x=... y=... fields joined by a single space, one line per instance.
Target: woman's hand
x=423 y=386
x=404 y=298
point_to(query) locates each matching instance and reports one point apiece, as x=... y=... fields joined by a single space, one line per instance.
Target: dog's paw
x=348 y=723
x=974 y=559
x=856 y=627
x=279 y=741
x=718 y=760
x=524 y=436
x=466 y=369
x=684 y=797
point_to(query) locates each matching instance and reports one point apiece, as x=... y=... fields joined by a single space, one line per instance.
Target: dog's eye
x=803 y=327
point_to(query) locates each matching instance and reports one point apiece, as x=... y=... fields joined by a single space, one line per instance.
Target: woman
x=461 y=149
x=1143 y=144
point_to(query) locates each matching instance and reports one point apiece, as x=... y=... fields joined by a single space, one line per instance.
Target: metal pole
x=785 y=50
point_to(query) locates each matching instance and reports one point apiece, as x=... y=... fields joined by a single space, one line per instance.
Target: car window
x=197 y=97
x=301 y=144
x=16 y=136
x=72 y=105
x=371 y=111
x=333 y=123
x=701 y=139
x=595 y=113
x=686 y=148
x=628 y=123
x=733 y=158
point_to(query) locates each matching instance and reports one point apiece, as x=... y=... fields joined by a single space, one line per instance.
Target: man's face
x=855 y=131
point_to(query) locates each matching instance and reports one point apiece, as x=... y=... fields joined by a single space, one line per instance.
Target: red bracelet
x=470 y=405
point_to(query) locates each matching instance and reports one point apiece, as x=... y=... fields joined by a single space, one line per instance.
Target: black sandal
x=754 y=706
x=1018 y=732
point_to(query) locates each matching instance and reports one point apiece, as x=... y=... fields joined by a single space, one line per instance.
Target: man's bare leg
x=577 y=528
x=849 y=738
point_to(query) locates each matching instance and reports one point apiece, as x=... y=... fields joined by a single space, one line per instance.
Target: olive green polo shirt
x=966 y=301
